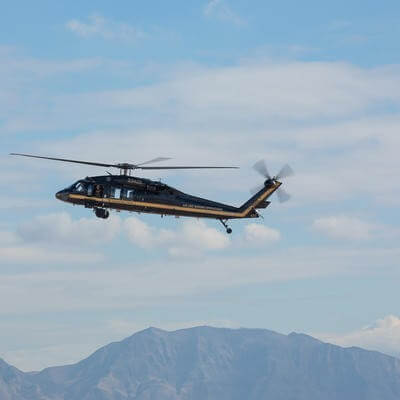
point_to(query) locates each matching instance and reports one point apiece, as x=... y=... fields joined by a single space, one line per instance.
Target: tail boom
x=259 y=200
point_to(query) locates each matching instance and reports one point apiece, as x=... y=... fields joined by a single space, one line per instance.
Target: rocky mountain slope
x=212 y=363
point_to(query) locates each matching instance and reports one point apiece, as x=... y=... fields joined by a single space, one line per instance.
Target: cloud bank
x=261 y=234
x=342 y=227
x=62 y=229
x=100 y=26
x=383 y=335
x=192 y=237
x=221 y=10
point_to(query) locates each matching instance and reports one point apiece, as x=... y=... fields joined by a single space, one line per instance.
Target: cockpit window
x=80 y=187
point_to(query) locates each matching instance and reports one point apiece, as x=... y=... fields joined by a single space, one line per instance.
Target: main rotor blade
x=188 y=167
x=67 y=160
x=262 y=169
x=285 y=172
x=158 y=159
x=123 y=166
x=283 y=196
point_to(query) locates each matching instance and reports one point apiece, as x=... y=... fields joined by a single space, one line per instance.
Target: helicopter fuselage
x=135 y=194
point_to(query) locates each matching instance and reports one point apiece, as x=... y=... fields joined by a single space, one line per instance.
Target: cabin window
x=115 y=192
x=122 y=193
x=130 y=194
x=127 y=193
x=90 y=189
x=98 y=190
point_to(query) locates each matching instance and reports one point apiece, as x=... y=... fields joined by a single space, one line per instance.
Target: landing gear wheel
x=101 y=213
x=228 y=230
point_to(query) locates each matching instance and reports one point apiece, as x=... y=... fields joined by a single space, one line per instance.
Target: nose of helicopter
x=62 y=195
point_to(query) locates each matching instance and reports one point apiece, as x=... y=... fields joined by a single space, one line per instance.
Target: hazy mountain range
x=212 y=363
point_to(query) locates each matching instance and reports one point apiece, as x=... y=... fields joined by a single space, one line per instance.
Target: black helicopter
x=131 y=193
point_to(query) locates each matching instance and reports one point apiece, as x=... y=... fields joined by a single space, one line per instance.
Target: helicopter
x=125 y=192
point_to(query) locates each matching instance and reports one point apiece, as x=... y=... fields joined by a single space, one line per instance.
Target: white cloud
x=20 y=69
x=146 y=236
x=261 y=234
x=199 y=235
x=60 y=228
x=192 y=237
x=134 y=283
x=383 y=335
x=222 y=11
x=350 y=154
x=47 y=239
x=7 y=202
x=39 y=255
x=293 y=90
x=7 y=238
x=98 y=25
x=339 y=25
x=342 y=227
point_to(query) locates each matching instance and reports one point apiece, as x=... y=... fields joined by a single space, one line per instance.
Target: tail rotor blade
x=285 y=172
x=262 y=169
x=283 y=196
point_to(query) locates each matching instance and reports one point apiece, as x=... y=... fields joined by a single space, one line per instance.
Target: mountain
x=212 y=363
x=15 y=384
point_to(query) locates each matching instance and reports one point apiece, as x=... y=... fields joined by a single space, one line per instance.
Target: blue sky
x=220 y=81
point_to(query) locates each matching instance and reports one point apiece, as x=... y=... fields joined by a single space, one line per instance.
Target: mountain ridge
x=210 y=363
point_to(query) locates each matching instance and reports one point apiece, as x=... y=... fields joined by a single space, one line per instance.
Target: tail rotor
x=285 y=172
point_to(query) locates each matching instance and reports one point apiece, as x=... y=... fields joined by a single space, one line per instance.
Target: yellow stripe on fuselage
x=241 y=214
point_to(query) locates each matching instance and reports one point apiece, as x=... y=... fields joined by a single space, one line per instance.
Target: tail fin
x=259 y=200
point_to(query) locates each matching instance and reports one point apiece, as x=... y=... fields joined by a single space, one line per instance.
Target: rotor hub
x=125 y=166
x=269 y=182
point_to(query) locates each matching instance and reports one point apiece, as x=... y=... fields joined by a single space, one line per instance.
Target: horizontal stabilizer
x=263 y=204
